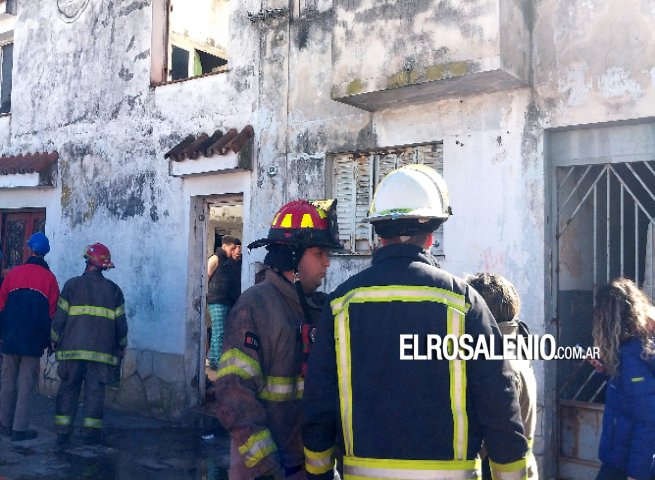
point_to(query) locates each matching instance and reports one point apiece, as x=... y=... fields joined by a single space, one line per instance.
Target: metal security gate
x=604 y=230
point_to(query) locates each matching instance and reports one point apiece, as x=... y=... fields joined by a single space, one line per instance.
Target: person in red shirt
x=28 y=300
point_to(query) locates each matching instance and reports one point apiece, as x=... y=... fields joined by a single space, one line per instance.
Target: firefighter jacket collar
x=403 y=250
x=288 y=291
x=93 y=273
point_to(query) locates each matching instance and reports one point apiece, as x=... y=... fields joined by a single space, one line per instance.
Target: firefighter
x=259 y=381
x=408 y=418
x=89 y=336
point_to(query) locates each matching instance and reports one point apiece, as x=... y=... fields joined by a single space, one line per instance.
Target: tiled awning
x=217 y=152
x=29 y=170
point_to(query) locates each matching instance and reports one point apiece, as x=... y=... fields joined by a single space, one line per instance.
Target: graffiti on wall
x=70 y=10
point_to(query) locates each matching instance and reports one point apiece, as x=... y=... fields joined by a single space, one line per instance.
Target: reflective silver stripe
x=342 y=345
x=318 y=463
x=456 y=307
x=90 y=356
x=257 y=447
x=63 y=304
x=91 y=310
x=92 y=423
x=62 y=420
x=374 y=468
x=401 y=293
x=282 y=389
x=512 y=471
x=236 y=362
x=457 y=370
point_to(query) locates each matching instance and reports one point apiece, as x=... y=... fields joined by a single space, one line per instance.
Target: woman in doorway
x=623 y=330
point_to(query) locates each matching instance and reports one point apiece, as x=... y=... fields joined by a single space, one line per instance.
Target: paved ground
x=134 y=447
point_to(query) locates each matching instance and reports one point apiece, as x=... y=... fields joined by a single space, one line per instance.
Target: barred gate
x=604 y=230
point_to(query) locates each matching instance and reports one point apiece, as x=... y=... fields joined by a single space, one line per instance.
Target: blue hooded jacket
x=628 y=439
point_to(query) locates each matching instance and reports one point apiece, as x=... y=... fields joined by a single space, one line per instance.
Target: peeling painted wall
x=86 y=93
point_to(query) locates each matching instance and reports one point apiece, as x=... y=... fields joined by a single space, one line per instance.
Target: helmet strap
x=301 y=297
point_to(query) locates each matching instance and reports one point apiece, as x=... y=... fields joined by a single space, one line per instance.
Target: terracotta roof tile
x=29 y=163
x=207 y=145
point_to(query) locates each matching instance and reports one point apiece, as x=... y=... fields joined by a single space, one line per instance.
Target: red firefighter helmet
x=98 y=255
x=305 y=224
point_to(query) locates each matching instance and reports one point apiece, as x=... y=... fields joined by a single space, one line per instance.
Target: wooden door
x=17 y=227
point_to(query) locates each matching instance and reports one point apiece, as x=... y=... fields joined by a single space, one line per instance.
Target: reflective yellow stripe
x=86 y=355
x=306 y=221
x=91 y=310
x=92 y=423
x=286 y=221
x=377 y=468
x=123 y=342
x=119 y=311
x=63 y=420
x=510 y=471
x=457 y=369
x=300 y=387
x=257 y=447
x=342 y=345
x=456 y=307
x=235 y=362
x=401 y=293
x=63 y=304
x=54 y=336
x=318 y=463
x=282 y=389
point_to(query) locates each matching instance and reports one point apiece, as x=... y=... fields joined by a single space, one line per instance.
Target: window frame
x=162 y=47
x=353 y=200
x=3 y=45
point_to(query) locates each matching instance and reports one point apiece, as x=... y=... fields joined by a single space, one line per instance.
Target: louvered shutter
x=355 y=179
x=344 y=191
x=432 y=156
x=364 y=179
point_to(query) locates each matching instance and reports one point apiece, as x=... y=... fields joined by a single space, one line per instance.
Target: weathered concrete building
x=537 y=112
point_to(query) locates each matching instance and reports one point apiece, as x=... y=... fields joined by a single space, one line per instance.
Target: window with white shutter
x=353 y=181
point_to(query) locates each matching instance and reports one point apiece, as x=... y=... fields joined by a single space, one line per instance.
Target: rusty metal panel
x=580 y=430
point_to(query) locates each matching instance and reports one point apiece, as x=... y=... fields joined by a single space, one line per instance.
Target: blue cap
x=39 y=243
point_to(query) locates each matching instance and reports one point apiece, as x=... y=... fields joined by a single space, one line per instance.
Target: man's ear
x=428 y=241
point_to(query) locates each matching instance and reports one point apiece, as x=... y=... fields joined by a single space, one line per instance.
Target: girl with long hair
x=623 y=329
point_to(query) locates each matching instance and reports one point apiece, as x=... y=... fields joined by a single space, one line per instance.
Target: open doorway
x=604 y=212
x=224 y=219
x=17 y=227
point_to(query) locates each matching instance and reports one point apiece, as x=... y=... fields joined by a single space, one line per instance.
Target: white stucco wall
x=86 y=93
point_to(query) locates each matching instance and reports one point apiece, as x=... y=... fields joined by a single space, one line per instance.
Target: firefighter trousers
x=73 y=374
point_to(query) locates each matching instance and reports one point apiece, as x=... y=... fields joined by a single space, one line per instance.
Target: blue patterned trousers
x=217 y=313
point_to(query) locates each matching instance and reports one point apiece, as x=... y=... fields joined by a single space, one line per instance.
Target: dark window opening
x=7 y=53
x=179 y=63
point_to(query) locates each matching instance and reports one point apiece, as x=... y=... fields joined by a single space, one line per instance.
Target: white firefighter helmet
x=412 y=192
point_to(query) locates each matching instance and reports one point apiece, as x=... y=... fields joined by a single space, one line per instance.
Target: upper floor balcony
x=387 y=52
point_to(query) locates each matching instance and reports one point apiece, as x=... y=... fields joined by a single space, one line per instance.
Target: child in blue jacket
x=624 y=328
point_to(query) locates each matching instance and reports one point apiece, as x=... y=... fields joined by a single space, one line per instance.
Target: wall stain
x=142 y=55
x=354 y=87
x=125 y=74
x=133 y=6
x=303 y=34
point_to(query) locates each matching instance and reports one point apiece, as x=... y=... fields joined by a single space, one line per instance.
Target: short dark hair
x=230 y=240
